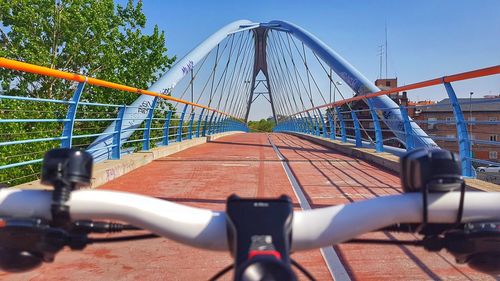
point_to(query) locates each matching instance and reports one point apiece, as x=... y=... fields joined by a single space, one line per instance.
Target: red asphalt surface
x=246 y=164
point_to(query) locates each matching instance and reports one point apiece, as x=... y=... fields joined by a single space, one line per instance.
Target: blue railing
x=470 y=127
x=30 y=126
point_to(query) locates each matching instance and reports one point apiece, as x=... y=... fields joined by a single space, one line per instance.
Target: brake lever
x=26 y=243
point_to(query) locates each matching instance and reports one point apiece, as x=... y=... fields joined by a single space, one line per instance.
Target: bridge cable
x=285 y=85
x=348 y=105
x=239 y=96
x=227 y=89
x=237 y=76
x=296 y=70
x=237 y=105
x=212 y=75
x=274 y=81
x=224 y=72
x=305 y=66
x=291 y=87
x=192 y=79
x=296 y=82
x=312 y=76
x=234 y=89
x=277 y=84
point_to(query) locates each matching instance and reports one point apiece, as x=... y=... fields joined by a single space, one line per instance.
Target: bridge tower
x=260 y=66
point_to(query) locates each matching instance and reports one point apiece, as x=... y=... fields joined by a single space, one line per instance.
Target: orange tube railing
x=448 y=79
x=36 y=69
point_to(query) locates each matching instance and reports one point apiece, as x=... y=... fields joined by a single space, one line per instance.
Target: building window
x=493 y=137
x=450 y=137
x=472 y=119
x=492 y=118
x=431 y=122
x=493 y=155
x=450 y=119
x=387 y=83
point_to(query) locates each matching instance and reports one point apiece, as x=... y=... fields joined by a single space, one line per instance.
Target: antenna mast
x=386 y=50
x=380 y=54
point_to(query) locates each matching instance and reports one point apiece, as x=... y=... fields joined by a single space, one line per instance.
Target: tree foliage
x=93 y=37
x=262 y=125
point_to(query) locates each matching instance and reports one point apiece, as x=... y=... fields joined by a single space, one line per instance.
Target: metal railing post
x=221 y=124
x=462 y=133
x=342 y=124
x=147 y=129
x=322 y=122
x=357 y=131
x=205 y=124
x=166 y=128
x=190 y=129
x=218 y=124
x=305 y=124
x=211 y=124
x=181 y=122
x=117 y=136
x=330 y=123
x=316 y=129
x=311 y=125
x=379 y=141
x=209 y=129
x=67 y=132
x=198 y=126
x=300 y=125
x=224 y=124
x=410 y=142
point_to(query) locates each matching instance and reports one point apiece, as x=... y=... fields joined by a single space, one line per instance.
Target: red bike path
x=246 y=164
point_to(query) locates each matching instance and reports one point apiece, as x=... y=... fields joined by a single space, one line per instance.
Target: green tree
x=93 y=37
x=262 y=125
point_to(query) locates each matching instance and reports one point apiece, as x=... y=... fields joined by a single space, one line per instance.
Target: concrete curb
x=384 y=159
x=109 y=170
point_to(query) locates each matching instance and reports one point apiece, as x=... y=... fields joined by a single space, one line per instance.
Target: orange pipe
x=36 y=69
x=451 y=78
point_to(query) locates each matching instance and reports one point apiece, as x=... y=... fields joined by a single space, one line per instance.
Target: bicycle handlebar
x=206 y=229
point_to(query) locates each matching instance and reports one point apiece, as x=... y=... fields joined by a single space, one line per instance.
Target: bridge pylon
x=260 y=66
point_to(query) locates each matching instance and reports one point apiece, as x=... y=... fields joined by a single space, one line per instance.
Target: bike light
x=67 y=166
x=259 y=233
x=437 y=169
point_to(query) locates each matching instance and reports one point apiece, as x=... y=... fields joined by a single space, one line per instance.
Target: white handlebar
x=204 y=228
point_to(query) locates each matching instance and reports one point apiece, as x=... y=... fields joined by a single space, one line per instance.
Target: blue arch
x=391 y=114
x=135 y=115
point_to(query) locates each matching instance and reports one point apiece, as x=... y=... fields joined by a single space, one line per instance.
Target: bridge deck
x=247 y=165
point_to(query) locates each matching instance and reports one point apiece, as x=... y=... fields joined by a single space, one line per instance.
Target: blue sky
x=427 y=38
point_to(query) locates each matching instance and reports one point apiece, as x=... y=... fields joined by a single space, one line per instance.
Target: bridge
x=337 y=139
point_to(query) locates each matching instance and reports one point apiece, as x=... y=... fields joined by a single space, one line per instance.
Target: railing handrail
x=41 y=70
x=445 y=79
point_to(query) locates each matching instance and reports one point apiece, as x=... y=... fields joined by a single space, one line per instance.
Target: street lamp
x=337 y=83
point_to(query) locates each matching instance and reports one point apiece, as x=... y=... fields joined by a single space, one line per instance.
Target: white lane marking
x=332 y=260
